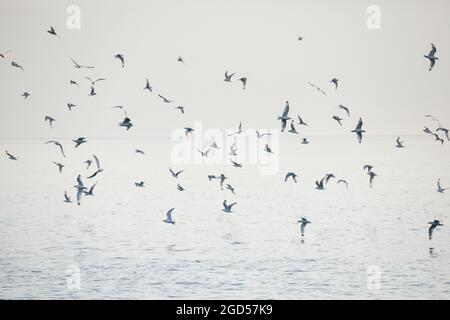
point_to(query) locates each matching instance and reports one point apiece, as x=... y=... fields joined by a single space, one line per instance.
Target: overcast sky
x=384 y=77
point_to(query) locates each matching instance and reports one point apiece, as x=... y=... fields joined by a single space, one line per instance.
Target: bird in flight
x=320 y=184
x=93 y=93
x=56 y=143
x=180 y=188
x=165 y=99
x=175 y=174
x=303 y=222
x=3 y=55
x=305 y=141
x=121 y=58
x=26 y=94
x=344 y=182
x=431 y=57
x=50 y=120
x=399 y=143
x=188 y=131
x=59 y=165
x=10 y=156
x=67 y=198
x=433 y=226
x=439 y=188
x=292 y=175
x=338 y=119
x=437 y=138
x=229 y=187
x=345 y=109
x=91 y=190
x=244 y=82
x=228 y=76
x=204 y=153
x=284 y=117
x=53 y=32
x=180 y=108
x=443 y=130
x=126 y=123
x=169 y=217
x=301 y=122
x=317 y=88
x=79 y=66
x=16 y=65
x=70 y=106
x=239 y=131
x=79 y=141
x=372 y=176
x=139 y=184
x=358 y=130
x=88 y=162
x=99 y=168
x=139 y=151
x=80 y=189
x=72 y=82
x=335 y=82
x=121 y=108
x=228 y=207
x=267 y=149
x=147 y=85
x=235 y=164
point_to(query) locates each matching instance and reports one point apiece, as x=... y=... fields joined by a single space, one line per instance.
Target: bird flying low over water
x=79 y=66
x=267 y=149
x=358 y=130
x=228 y=76
x=79 y=141
x=244 y=82
x=80 y=189
x=284 y=117
x=169 y=217
x=180 y=108
x=229 y=187
x=372 y=176
x=228 y=207
x=93 y=82
x=304 y=141
x=88 y=162
x=301 y=122
x=292 y=175
x=10 y=156
x=53 y=32
x=235 y=164
x=303 y=222
x=431 y=57
x=50 y=120
x=445 y=131
x=92 y=93
x=260 y=135
x=292 y=129
x=72 y=82
x=180 y=188
x=188 y=130
x=139 y=184
x=175 y=174
x=99 y=168
x=399 y=143
x=317 y=88
x=180 y=59
x=434 y=225
x=70 y=106
x=56 y=143
x=439 y=188
x=91 y=190
x=121 y=58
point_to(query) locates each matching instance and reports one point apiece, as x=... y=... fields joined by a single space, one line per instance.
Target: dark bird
x=235 y=164
x=74 y=83
x=284 y=117
x=431 y=57
x=26 y=95
x=372 y=176
x=139 y=151
x=59 y=165
x=165 y=99
x=317 y=88
x=3 y=55
x=437 y=138
x=433 y=226
x=303 y=223
x=67 y=198
x=121 y=58
x=188 y=130
x=180 y=188
x=50 y=120
x=10 y=156
x=147 y=85
x=244 y=82
x=70 y=106
x=175 y=174
x=292 y=175
x=93 y=82
x=443 y=130
x=399 y=143
x=93 y=93
x=335 y=82
x=53 y=32
x=228 y=207
x=358 y=130
x=338 y=120
x=345 y=109
x=292 y=129
x=320 y=184
x=301 y=122
x=180 y=59
x=180 y=108
x=228 y=77
x=139 y=184
x=204 y=153
x=16 y=65
x=126 y=123
x=267 y=149
x=79 y=66
x=79 y=141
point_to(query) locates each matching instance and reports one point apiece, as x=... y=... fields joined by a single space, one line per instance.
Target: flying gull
x=91 y=190
x=431 y=57
x=244 y=82
x=16 y=65
x=358 y=130
x=292 y=129
x=79 y=141
x=228 y=77
x=338 y=120
x=284 y=117
x=80 y=189
x=147 y=85
x=53 y=32
x=79 y=66
x=67 y=198
x=10 y=156
x=121 y=58
x=165 y=99
x=344 y=108
x=99 y=168
x=260 y=135
x=56 y=143
x=169 y=217
x=344 y=182
x=292 y=175
x=399 y=143
x=229 y=187
x=227 y=207
x=303 y=222
x=433 y=226
x=439 y=188
x=175 y=174
x=126 y=123
x=335 y=82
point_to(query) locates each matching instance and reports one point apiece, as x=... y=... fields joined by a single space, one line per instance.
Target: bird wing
x=433 y=50
x=97 y=162
x=80 y=183
x=169 y=214
x=285 y=111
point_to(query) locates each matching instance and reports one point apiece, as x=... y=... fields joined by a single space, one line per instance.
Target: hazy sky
x=384 y=77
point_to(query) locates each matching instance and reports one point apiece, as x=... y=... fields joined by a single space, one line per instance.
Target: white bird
x=16 y=65
x=93 y=82
x=292 y=129
x=445 y=131
x=80 y=189
x=433 y=226
x=50 y=120
x=431 y=57
x=91 y=190
x=335 y=82
x=121 y=108
x=358 y=130
x=228 y=207
x=439 y=188
x=88 y=162
x=233 y=150
x=228 y=77
x=292 y=175
x=284 y=117
x=175 y=174
x=10 y=156
x=99 y=168
x=303 y=222
x=56 y=143
x=169 y=217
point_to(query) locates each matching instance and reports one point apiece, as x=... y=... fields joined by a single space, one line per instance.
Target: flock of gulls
x=439 y=133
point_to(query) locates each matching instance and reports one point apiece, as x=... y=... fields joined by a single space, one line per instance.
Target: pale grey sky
x=384 y=77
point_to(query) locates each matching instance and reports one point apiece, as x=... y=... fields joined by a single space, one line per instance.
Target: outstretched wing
x=97 y=162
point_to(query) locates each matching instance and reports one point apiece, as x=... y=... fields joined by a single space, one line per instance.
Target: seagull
x=164 y=99
x=244 y=82
x=121 y=58
x=211 y=176
x=318 y=89
x=431 y=57
x=139 y=151
x=267 y=149
x=80 y=189
x=139 y=184
x=233 y=150
x=180 y=59
x=16 y=65
x=338 y=119
x=93 y=82
x=169 y=217
x=260 y=135
x=204 y=153
x=228 y=77
x=335 y=81
x=53 y=32
x=427 y=130
x=227 y=207
x=180 y=108
x=222 y=178
x=344 y=108
x=239 y=130
x=368 y=167
x=93 y=93
x=50 y=120
x=70 y=106
x=175 y=175
x=91 y=190
x=2 y=55
x=305 y=141
x=121 y=108
x=433 y=226
x=147 y=85
x=291 y=175
x=329 y=176
x=99 y=169
x=59 y=165
x=10 y=156
x=437 y=138
x=284 y=117
x=444 y=130
x=126 y=123
x=235 y=164
x=67 y=198
x=180 y=188
x=439 y=188
x=358 y=130
x=292 y=129
x=299 y=38
x=303 y=224
x=79 y=141
x=319 y=184
x=372 y=176
x=26 y=95
x=229 y=187
x=344 y=182
x=301 y=122
x=74 y=83
x=79 y=66
x=399 y=143
x=187 y=131
x=88 y=162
